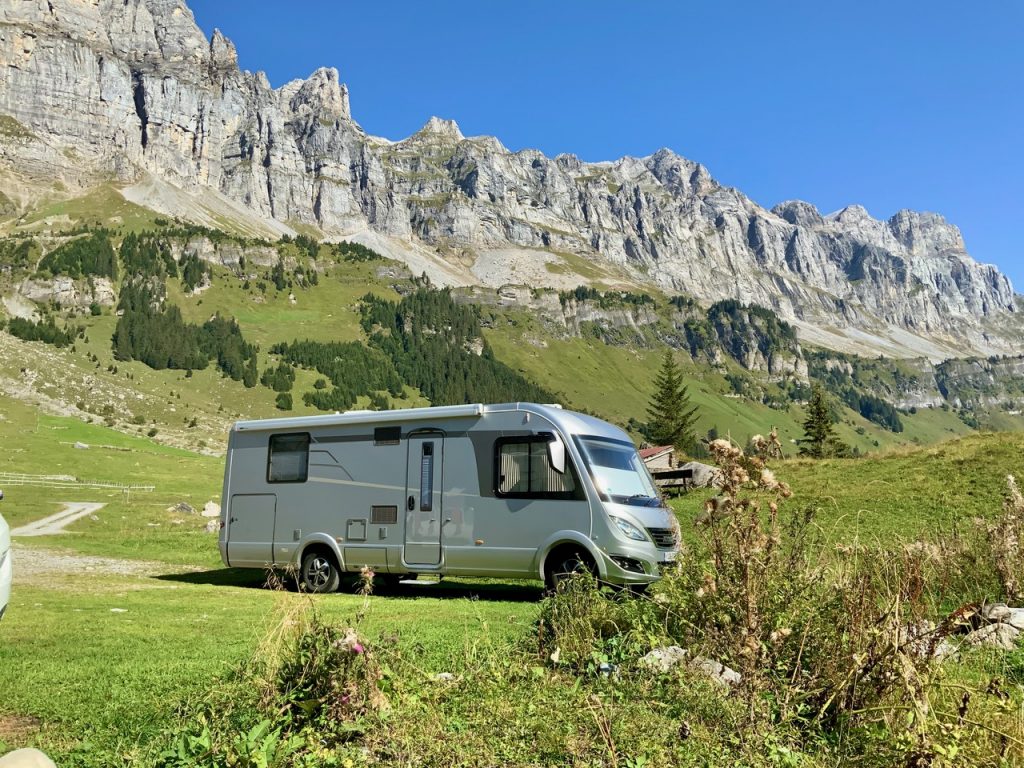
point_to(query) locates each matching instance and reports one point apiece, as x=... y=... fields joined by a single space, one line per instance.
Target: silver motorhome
x=516 y=491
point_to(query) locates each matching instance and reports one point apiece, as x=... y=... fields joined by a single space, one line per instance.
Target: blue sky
x=888 y=104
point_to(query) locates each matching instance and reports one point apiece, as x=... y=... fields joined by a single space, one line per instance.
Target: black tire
x=564 y=562
x=319 y=572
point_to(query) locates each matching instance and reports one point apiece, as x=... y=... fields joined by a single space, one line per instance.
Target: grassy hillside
x=167 y=632
x=617 y=382
x=613 y=380
x=135 y=526
x=900 y=493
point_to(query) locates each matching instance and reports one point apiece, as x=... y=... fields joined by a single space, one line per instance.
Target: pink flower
x=357 y=648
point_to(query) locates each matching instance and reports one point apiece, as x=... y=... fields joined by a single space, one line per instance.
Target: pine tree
x=820 y=440
x=251 y=374
x=670 y=416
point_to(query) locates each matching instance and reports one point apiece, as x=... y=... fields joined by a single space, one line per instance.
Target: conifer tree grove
x=670 y=415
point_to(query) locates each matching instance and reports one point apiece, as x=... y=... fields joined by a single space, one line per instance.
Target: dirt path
x=31 y=563
x=55 y=524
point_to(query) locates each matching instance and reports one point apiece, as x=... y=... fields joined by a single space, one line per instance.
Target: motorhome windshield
x=619 y=472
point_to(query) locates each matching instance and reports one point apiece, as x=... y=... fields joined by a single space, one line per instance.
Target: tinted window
x=289 y=459
x=524 y=471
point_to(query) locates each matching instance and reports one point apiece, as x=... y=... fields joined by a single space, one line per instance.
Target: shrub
x=829 y=643
x=302 y=694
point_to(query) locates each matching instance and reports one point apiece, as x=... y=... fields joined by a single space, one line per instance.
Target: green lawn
x=900 y=494
x=94 y=681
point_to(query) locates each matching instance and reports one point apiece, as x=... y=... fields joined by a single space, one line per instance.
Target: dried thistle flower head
x=768 y=481
x=723 y=450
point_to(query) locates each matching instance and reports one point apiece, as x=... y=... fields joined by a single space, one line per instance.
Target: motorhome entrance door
x=423 y=502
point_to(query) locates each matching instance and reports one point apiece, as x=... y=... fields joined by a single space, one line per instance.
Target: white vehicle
x=6 y=564
x=515 y=491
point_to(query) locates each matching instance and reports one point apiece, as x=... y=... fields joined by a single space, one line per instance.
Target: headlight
x=629 y=530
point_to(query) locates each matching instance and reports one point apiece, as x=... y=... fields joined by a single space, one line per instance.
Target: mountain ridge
x=145 y=98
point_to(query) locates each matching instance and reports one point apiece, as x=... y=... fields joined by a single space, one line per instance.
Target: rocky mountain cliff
x=133 y=90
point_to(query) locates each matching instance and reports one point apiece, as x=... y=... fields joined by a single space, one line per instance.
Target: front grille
x=665 y=538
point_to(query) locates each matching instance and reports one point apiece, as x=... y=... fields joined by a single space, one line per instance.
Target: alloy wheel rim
x=318 y=572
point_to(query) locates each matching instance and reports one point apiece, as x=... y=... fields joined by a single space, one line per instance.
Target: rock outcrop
x=133 y=88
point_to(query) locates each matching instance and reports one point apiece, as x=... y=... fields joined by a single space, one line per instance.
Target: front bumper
x=624 y=564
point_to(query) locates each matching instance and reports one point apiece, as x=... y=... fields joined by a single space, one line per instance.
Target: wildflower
x=349 y=642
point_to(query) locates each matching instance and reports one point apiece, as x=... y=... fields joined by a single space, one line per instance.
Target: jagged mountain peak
x=135 y=91
x=439 y=127
x=323 y=95
x=223 y=55
x=678 y=174
x=925 y=231
x=799 y=213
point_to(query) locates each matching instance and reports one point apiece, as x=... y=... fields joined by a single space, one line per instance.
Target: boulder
x=26 y=758
x=996 y=612
x=1001 y=613
x=1002 y=636
x=716 y=670
x=182 y=508
x=663 y=659
x=704 y=475
x=211 y=509
x=1016 y=618
x=213 y=526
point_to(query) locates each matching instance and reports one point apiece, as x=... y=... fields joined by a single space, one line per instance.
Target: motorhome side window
x=288 y=461
x=524 y=471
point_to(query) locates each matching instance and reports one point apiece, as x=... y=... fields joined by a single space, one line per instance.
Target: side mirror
x=556 y=454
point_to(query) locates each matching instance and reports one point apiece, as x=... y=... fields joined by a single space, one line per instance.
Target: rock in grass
x=663 y=659
x=1001 y=613
x=716 y=670
x=211 y=509
x=213 y=526
x=997 y=612
x=182 y=508
x=26 y=758
x=1016 y=618
x=704 y=475
x=1001 y=636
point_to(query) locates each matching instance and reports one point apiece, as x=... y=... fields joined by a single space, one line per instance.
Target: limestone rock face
x=68 y=292
x=123 y=88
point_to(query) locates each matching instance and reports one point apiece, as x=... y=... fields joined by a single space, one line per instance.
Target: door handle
x=412 y=503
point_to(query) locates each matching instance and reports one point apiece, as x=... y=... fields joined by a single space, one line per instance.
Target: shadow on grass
x=446 y=589
x=220 y=577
